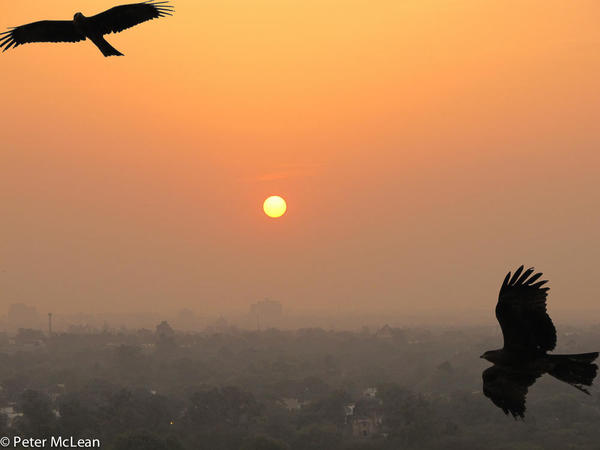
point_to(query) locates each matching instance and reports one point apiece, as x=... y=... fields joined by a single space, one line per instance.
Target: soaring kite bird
x=113 y=20
x=528 y=334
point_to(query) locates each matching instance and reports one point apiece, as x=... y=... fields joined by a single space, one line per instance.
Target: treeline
x=283 y=390
x=230 y=418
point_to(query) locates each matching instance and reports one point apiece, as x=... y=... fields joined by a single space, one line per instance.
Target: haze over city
x=300 y=225
x=424 y=149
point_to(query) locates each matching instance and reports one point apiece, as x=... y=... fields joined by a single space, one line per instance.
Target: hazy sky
x=424 y=148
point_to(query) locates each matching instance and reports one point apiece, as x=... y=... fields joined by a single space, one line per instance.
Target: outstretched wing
x=122 y=17
x=43 y=31
x=521 y=311
x=507 y=389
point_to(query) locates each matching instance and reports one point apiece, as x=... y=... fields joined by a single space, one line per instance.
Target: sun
x=274 y=206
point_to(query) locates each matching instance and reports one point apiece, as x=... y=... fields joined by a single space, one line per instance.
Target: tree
x=139 y=409
x=165 y=338
x=3 y=424
x=328 y=410
x=128 y=356
x=317 y=436
x=143 y=440
x=29 y=336
x=227 y=406
x=38 y=418
x=407 y=416
x=264 y=443
x=77 y=416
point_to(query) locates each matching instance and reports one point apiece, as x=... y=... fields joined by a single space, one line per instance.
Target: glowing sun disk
x=274 y=206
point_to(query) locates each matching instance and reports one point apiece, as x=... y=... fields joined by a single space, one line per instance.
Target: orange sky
x=424 y=148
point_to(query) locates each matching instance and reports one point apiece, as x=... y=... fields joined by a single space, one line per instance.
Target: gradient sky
x=424 y=149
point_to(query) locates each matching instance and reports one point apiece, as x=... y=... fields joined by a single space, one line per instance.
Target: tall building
x=267 y=313
x=23 y=316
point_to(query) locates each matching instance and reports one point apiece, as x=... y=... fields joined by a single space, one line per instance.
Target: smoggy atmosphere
x=300 y=225
x=424 y=149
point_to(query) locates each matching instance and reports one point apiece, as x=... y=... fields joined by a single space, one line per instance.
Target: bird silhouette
x=528 y=335
x=94 y=28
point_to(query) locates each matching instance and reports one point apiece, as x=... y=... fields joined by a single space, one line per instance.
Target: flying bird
x=81 y=27
x=528 y=335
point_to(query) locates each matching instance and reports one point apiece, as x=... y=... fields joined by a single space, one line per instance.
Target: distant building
x=10 y=413
x=267 y=313
x=370 y=392
x=349 y=413
x=385 y=332
x=292 y=404
x=366 y=426
x=22 y=316
x=27 y=336
x=388 y=333
x=165 y=337
x=364 y=418
x=86 y=329
x=164 y=331
x=367 y=418
x=220 y=325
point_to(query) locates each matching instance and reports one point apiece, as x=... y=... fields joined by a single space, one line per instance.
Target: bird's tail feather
x=105 y=47
x=577 y=370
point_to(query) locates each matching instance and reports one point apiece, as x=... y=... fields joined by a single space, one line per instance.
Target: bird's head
x=78 y=16
x=492 y=356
